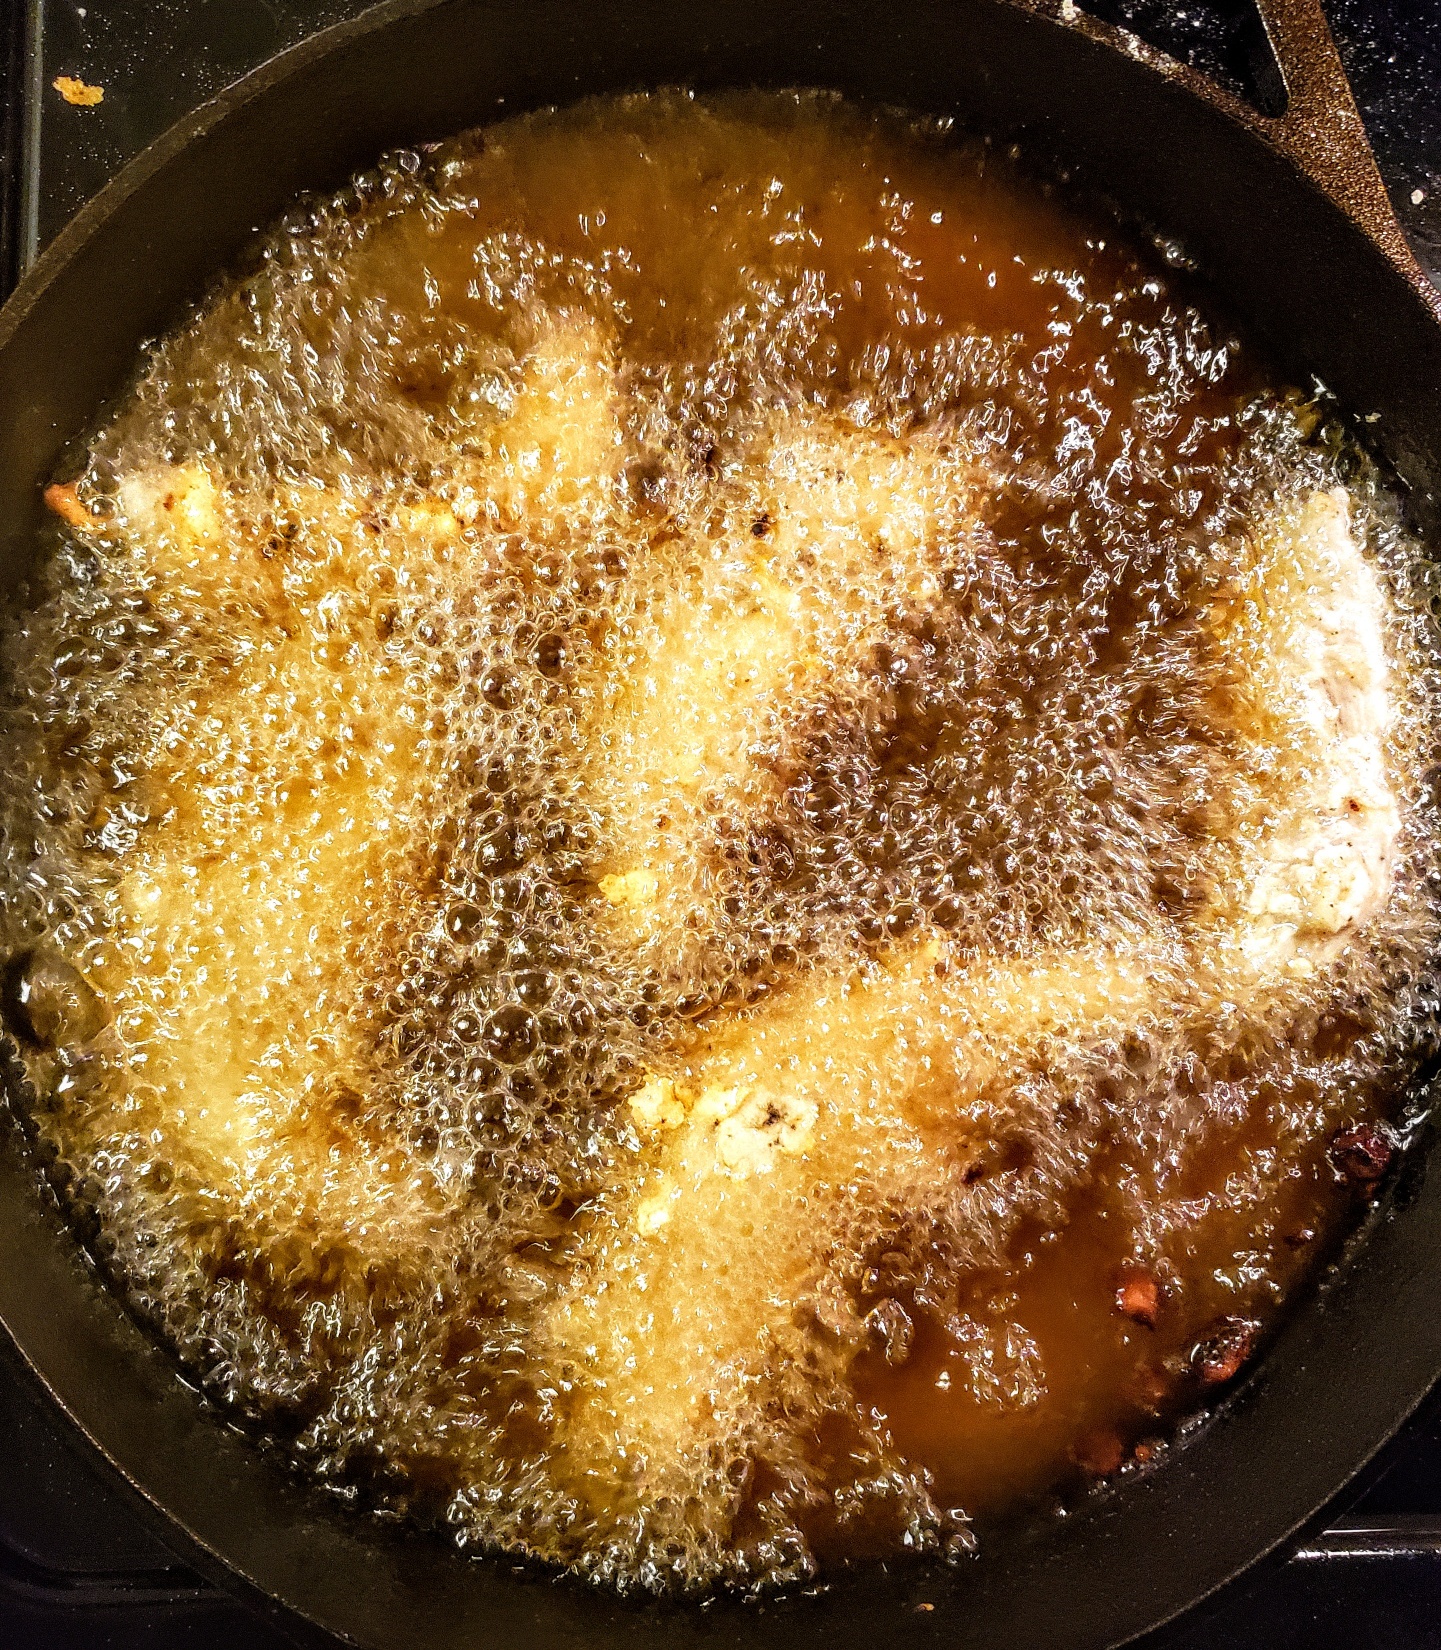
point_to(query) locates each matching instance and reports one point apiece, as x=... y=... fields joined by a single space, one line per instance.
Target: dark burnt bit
x=761 y=525
x=282 y=537
x=1099 y=1453
x=890 y=1327
x=1138 y=1296
x=49 y=1003
x=1220 y=1356
x=1361 y=1155
x=771 y=850
x=1152 y=1388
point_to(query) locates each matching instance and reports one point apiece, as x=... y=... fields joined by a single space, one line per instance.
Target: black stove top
x=83 y=1564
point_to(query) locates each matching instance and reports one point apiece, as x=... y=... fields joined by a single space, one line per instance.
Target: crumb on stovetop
x=76 y=91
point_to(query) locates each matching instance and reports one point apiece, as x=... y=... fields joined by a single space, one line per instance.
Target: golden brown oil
x=635 y=739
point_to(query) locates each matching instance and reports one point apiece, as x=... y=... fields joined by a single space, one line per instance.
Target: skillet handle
x=1321 y=129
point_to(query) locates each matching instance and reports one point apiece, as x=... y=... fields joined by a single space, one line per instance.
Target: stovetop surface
x=82 y=1565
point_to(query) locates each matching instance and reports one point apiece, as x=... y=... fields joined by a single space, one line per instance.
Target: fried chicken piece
x=683 y=1307
x=1307 y=631
x=245 y=902
x=174 y=512
x=286 y=807
x=554 y=456
x=827 y=537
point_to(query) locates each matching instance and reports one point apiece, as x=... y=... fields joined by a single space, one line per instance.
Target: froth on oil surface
x=717 y=840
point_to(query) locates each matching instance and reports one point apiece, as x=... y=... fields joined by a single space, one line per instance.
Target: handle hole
x=1224 y=40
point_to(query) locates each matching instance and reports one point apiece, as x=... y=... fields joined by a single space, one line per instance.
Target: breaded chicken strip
x=1306 y=631
x=824 y=538
x=285 y=803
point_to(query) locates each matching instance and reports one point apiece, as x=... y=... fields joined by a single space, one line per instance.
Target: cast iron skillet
x=1289 y=218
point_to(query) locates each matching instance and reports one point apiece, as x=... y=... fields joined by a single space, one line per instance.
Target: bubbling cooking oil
x=717 y=843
